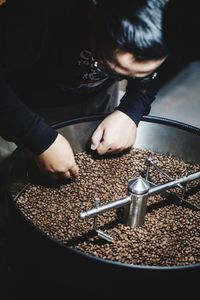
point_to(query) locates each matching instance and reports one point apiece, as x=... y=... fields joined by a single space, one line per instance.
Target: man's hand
x=58 y=160
x=116 y=133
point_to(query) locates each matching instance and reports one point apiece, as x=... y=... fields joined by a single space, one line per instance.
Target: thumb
x=96 y=138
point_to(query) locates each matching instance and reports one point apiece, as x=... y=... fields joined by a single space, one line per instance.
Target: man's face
x=125 y=64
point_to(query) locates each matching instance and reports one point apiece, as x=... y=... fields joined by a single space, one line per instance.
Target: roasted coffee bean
x=170 y=234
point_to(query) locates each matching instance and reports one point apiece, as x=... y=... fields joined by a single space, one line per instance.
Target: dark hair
x=131 y=25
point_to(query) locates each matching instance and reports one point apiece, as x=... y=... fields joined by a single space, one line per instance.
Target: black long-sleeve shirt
x=52 y=38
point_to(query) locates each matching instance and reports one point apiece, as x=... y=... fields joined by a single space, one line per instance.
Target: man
x=72 y=53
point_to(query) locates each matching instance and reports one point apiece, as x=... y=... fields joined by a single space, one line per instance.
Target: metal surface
x=134 y=213
x=104 y=208
x=150 y=161
x=171 y=140
x=173 y=183
x=135 y=204
x=154 y=134
x=138 y=186
x=100 y=232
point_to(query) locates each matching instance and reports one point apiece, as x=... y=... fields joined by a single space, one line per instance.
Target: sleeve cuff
x=137 y=101
x=41 y=139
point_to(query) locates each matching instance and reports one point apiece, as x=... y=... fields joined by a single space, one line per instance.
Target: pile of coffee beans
x=170 y=235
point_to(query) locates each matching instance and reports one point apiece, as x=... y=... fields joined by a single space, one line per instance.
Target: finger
x=118 y=150
x=115 y=150
x=96 y=138
x=103 y=148
x=66 y=175
x=74 y=171
x=122 y=149
x=110 y=150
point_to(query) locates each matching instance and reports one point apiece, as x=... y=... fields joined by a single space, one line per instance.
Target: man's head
x=127 y=36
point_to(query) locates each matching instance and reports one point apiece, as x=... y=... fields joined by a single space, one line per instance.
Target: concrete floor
x=179 y=98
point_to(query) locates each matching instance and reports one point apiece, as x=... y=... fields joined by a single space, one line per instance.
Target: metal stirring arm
x=104 y=208
x=173 y=183
x=135 y=204
x=94 y=212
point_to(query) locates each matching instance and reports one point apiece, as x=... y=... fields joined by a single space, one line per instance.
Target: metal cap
x=138 y=186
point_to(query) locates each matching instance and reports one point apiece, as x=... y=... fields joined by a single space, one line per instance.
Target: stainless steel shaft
x=106 y=207
x=171 y=184
x=135 y=211
x=135 y=203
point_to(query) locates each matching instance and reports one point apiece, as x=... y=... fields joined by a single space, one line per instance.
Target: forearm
x=21 y=125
